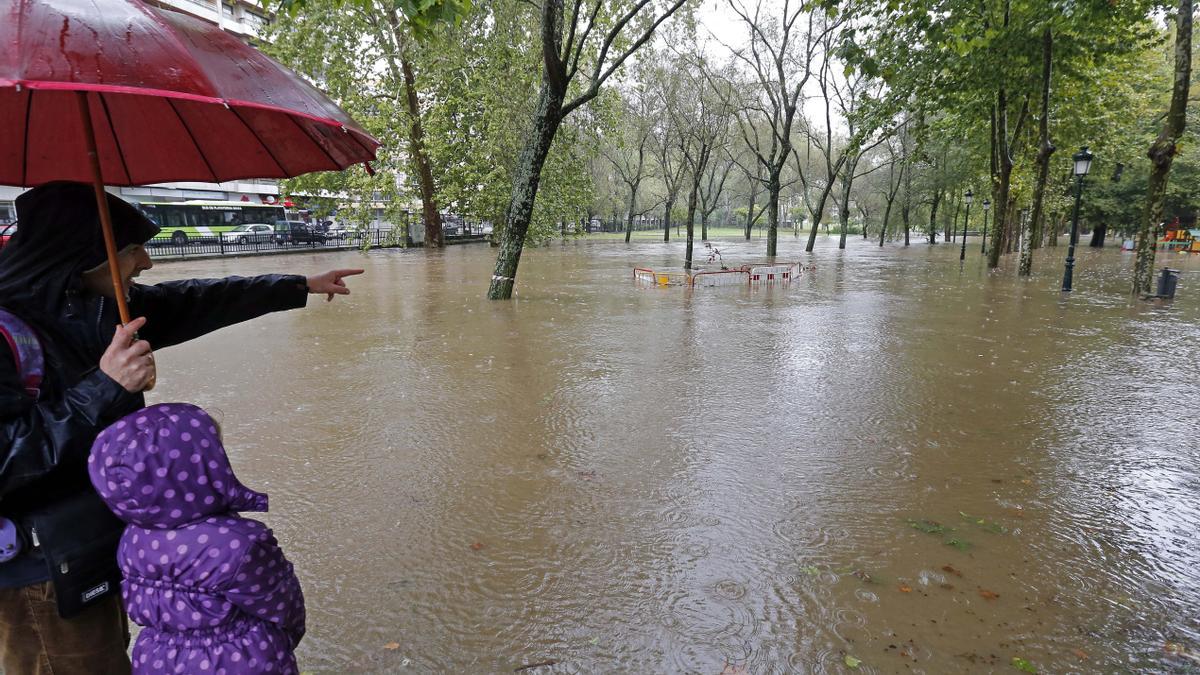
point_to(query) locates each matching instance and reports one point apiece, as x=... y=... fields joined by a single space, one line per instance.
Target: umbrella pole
x=110 y=242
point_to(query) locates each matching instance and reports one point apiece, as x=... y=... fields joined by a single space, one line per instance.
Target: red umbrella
x=119 y=92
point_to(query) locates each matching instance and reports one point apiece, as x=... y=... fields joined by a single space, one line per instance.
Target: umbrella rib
x=282 y=171
x=336 y=166
x=361 y=144
x=117 y=141
x=25 y=151
x=196 y=143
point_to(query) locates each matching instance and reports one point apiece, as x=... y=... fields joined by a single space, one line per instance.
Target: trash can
x=1168 y=279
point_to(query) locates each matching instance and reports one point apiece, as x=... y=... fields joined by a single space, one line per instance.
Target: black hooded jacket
x=44 y=485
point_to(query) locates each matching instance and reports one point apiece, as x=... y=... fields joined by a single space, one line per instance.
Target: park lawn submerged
x=716 y=477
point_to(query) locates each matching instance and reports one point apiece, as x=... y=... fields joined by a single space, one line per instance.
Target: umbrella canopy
x=170 y=98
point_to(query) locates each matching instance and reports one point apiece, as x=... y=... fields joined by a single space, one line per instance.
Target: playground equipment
x=760 y=274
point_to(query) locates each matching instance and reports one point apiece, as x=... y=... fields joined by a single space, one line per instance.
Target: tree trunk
x=629 y=214
x=420 y=158
x=667 y=219
x=546 y=120
x=953 y=229
x=691 y=227
x=1045 y=149
x=772 y=213
x=1010 y=225
x=844 y=216
x=750 y=211
x=937 y=198
x=1000 y=227
x=819 y=212
x=1163 y=152
x=887 y=214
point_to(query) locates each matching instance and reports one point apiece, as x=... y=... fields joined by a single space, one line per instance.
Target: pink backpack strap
x=26 y=350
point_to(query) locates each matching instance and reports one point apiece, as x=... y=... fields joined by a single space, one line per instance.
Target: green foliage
x=422 y=17
x=473 y=128
x=945 y=61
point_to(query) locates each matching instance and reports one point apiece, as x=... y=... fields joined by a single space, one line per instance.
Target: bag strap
x=26 y=350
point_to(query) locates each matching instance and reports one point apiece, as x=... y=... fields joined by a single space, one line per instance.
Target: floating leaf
x=1022 y=664
x=1080 y=654
x=477 y=546
x=905 y=588
x=950 y=570
x=927 y=526
x=731 y=669
x=392 y=646
x=852 y=662
x=988 y=595
x=862 y=574
x=810 y=571
x=983 y=523
x=1176 y=649
x=959 y=544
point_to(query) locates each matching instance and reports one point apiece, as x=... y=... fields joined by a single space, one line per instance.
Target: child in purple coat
x=211 y=589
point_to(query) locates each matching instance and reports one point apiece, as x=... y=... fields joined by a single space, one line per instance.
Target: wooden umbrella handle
x=110 y=241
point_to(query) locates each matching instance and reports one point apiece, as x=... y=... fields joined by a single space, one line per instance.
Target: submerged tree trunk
x=1163 y=152
x=772 y=213
x=691 y=227
x=844 y=215
x=629 y=214
x=887 y=214
x=953 y=229
x=546 y=120
x=667 y=219
x=420 y=157
x=933 y=233
x=817 y=214
x=1045 y=149
x=1005 y=167
x=750 y=212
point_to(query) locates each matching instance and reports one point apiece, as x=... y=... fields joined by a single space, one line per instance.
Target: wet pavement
x=890 y=465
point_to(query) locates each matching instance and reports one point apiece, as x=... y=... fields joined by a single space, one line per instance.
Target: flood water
x=891 y=462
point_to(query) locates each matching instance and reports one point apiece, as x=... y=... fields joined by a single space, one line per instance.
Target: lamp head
x=1083 y=161
x=969 y=197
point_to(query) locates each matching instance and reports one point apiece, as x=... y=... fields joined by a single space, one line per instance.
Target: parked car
x=335 y=230
x=6 y=233
x=257 y=233
x=297 y=232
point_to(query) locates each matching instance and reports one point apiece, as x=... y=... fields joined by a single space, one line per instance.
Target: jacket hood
x=58 y=238
x=164 y=466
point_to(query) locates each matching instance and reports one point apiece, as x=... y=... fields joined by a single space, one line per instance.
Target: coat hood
x=164 y=466
x=58 y=238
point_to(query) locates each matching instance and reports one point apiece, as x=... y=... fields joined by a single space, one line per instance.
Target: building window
x=254 y=19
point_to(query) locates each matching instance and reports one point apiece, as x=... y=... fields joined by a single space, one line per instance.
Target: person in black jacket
x=59 y=610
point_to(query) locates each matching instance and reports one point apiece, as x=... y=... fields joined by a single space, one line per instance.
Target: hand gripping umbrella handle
x=110 y=241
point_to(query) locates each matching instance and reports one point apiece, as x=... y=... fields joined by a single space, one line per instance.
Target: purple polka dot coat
x=211 y=589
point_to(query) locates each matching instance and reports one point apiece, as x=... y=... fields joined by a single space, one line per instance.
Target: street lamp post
x=968 y=198
x=1083 y=163
x=987 y=204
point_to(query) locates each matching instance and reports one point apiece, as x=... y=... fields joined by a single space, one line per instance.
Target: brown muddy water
x=890 y=463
